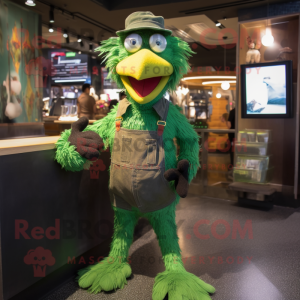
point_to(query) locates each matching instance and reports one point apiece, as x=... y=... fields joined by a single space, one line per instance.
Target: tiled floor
x=261 y=266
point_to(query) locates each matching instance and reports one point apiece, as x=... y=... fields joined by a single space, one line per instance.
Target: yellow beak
x=144 y=75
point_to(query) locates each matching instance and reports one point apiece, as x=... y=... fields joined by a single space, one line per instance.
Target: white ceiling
x=193 y=28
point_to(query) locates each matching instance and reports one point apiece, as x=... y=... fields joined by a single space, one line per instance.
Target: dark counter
x=49 y=219
x=53 y=126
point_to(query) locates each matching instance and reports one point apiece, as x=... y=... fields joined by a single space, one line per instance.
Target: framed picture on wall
x=266 y=90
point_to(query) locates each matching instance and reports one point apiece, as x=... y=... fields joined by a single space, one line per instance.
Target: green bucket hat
x=144 y=20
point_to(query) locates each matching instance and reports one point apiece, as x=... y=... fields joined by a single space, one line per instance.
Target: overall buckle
x=160 y=127
x=118 y=123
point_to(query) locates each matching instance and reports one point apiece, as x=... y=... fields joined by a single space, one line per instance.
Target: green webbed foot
x=180 y=285
x=104 y=276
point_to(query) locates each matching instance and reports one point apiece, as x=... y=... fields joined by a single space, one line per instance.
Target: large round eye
x=133 y=42
x=158 y=42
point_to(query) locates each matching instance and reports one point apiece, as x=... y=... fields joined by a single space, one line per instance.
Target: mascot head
x=145 y=59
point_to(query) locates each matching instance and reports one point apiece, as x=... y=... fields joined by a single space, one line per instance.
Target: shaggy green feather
x=175 y=281
x=112 y=272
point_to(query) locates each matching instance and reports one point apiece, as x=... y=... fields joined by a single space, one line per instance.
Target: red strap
x=118 y=125
x=160 y=127
x=160 y=130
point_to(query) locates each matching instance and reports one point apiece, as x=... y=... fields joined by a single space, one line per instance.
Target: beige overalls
x=138 y=165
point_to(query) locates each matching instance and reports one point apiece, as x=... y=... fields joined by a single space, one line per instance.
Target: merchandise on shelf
x=253 y=154
x=254 y=135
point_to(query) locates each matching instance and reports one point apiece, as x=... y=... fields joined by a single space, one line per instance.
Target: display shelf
x=249 y=148
x=252 y=188
x=252 y=162
x=252 y=176
x=253 y=157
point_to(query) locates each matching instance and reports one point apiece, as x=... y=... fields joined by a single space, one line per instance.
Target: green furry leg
x=175 y=281
x=111 y=273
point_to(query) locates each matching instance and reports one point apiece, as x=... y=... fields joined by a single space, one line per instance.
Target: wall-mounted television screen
x=68 y=67
x=266 y=90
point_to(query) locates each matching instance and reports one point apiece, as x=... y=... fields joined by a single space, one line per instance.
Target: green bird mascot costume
x=146 y=177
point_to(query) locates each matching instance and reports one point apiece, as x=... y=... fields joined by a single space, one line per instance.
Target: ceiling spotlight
x=65 y=35
x=225 y=85
x=30 y=3
x=79 y=52
x=218 y=24
x=50 y=27
x=218 y=95
x=91 y=47
x=51 y=15
x=79 y=39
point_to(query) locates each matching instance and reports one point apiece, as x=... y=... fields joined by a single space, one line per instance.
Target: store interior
x=240 y=95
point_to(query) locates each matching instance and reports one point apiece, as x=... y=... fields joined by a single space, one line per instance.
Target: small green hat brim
x=141 y=27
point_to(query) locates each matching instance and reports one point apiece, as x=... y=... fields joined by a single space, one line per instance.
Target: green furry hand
x=87 y=143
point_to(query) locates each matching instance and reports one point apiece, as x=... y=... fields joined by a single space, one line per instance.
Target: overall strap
x=123 y=104
x=162 y=108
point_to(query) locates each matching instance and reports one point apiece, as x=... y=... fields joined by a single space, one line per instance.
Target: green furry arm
x=66 y=154
x=106 y=127
x=187 y=139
